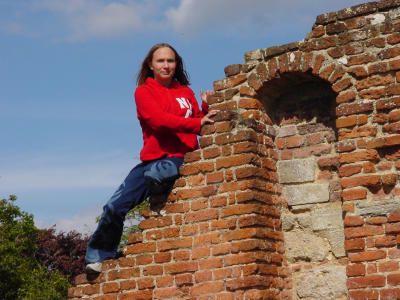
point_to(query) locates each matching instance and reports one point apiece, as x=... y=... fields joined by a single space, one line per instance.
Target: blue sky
x=69 y=132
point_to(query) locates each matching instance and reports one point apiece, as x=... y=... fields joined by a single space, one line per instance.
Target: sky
x=69 y=133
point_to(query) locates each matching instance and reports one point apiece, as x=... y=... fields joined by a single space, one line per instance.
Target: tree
x=63 y=252
x=21 y=276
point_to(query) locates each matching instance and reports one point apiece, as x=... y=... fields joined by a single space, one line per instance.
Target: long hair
x=180 y=73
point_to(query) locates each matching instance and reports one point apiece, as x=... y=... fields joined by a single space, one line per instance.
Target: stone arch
x=299 y=97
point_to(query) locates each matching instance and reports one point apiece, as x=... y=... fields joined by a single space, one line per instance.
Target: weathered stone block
x=327 y=220
x=304 y=246
x=290 y=220
x=377 y=208
x=335 y=237
x=306 y=193
x=325 y=282
x=296 y=170
x=327 y=217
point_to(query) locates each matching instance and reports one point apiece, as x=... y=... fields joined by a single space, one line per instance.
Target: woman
x=170 y=119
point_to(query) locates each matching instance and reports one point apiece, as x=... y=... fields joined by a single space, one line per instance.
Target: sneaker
x=93 y=268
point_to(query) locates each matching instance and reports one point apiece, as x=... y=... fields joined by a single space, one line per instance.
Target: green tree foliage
x=21 y=276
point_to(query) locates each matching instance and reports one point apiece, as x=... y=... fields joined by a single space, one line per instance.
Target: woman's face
x=163 y=65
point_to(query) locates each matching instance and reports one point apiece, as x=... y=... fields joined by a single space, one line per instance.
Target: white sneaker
x=93 y=268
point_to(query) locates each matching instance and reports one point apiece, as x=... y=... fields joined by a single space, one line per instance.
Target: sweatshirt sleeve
x=204 y=107
x=152 y=115
x=197 y=113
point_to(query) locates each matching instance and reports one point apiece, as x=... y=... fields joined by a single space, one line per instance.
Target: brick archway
x=220 y=235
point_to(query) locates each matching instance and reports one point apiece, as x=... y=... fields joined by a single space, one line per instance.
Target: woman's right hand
x=206 y=119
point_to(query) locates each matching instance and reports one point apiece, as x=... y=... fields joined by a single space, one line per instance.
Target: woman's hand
x=206 y=119
x=205 y=95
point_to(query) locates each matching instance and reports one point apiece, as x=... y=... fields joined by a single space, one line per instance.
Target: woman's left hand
x=205 y=95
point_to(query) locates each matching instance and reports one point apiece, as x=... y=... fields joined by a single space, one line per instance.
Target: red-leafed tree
x=62 y=251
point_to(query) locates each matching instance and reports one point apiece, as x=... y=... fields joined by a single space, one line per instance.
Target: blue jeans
x=154 y=177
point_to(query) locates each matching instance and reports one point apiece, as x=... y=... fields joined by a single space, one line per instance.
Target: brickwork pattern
x=294 y=192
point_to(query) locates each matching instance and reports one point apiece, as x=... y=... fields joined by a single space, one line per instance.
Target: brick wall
x=294 y=193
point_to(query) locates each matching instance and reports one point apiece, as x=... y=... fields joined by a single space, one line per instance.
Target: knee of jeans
x=161 y=176
x=159 y=187
x=108 y=213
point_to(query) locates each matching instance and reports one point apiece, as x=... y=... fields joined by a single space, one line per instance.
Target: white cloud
x=98 y=19
x=240 y=17
x=83 y=222
x=87 y=19
x=193 y=16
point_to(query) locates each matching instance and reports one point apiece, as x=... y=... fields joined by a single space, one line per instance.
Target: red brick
x=373 y=93
x=144 y=259
x=180 y=267
x=386 y=241
x=389 y=179
x=391 y=128
x=183 y=279
x=376 y=42
x=380 y=67
x=346 y=97
x=140 y=248
x=155 y=222
x=196 y=168
x=196 y=192
x=168 y=292
x=152 y=270
x=389 y=266
x=393 y=279
x=390 y=294
x=210 y=263
x=372 y=268
x=393 y=38
x=374 y=81
x=370 y=155
x=367 y=181
x=355 y=270
x=145 y=283
x=366 y=281
x=346 y=122
x=358 y=71
x=164 y=281
x=206 y=239
x=394 y=216
x=110 y=287
x=364 y=294
x=388 y=104
x=392 y=228
x=376 y=220
x=354 y=244
x=350 y=109
x=367 y=256
x=342 y=85
x=369 y=167
x=394 y=115
x=292 y=142
x=345 y=146
x=350 y=170
x=207 y=288
x=355 y=194
x=367 y=230
x=381 y=118
x=361 y=59
x=353 y=221
x=127 y=285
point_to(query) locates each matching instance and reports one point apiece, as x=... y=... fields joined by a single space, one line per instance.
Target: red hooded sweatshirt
x=170 y=119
